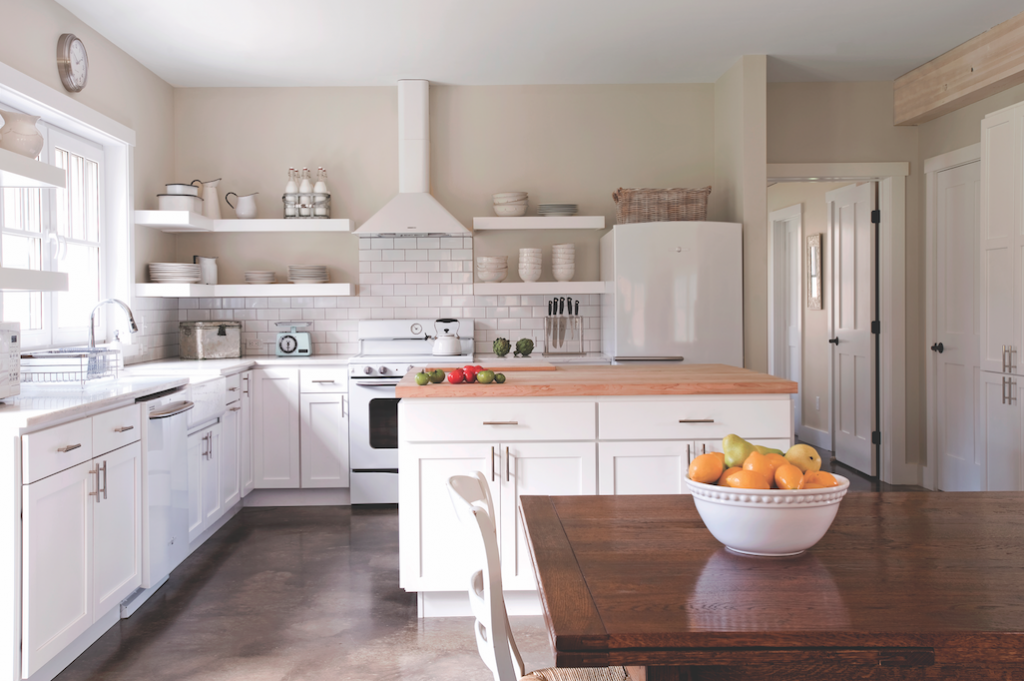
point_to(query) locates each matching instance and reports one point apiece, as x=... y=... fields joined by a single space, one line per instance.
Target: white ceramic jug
x=211 y=202
x=246 y=207
x=207 y=269
x=20 y=134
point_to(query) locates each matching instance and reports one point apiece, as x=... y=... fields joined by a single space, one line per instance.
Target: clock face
x=72 y=62
x=79 y=64
x=288 y=344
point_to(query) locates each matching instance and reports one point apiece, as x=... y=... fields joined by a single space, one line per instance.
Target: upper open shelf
x=21 y=171
x=13 y=279
x=182 y=221
x=540 y=222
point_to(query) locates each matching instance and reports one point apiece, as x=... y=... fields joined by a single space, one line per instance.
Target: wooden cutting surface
x=905 y=585
x=694 y=379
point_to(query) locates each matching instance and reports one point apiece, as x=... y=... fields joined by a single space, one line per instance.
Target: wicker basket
x=660 y=205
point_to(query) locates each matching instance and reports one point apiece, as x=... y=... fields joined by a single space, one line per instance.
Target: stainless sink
x=69 y=366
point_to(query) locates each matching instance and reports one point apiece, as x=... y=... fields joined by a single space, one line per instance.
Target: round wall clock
x=72 y=62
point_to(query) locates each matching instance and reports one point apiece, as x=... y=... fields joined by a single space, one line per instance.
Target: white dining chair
x=494 y=640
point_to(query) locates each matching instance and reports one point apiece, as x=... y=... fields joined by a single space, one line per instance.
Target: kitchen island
x=571 y=430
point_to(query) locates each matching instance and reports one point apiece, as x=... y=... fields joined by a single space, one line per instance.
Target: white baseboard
x=456 y=603
x=65 y=657
x=813 y=436
x=298 y=497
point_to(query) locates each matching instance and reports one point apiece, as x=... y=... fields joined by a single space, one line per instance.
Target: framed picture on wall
x=814 y=274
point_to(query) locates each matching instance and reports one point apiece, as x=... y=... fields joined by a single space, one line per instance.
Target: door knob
x=937 y=347
x=834 y=341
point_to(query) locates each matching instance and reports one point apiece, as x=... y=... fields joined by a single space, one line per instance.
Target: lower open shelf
x=242 y=290
x=538 y=288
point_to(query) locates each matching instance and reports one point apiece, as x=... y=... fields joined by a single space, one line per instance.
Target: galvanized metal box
x=210 y=340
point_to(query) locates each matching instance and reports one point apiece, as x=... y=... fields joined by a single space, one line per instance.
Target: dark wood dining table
x=905 y=585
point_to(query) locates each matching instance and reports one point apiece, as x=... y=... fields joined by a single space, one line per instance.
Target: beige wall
x=963 y=128
x=739 y=190
x=814 y=335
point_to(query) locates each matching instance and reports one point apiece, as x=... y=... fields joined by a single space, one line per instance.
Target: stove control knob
x=383 y=370
x=367 y=370
x=408 y=368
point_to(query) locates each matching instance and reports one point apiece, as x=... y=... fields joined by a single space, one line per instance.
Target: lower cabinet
x=81 y=550
x=275 y=432
x=246 y=468
x=323 y=438
x=998 y=435
x=205 y=504
x=231 y=455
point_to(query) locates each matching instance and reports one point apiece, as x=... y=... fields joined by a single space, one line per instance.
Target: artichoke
x=524 y=346
x=501 y=347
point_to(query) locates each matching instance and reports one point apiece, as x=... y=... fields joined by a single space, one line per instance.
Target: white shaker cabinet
x=323 y=437
x=231 y=455
x=205 y=503
x=998 y=436
x=246 y=469
x=275 y=431
x=117 y=520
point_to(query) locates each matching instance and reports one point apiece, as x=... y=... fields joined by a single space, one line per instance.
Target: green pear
x=736 y=450
x=769 y=450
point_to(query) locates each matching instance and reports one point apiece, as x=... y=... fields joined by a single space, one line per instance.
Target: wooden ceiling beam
x=983 y=66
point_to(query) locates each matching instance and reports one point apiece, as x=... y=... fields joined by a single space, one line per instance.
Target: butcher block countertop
x=619 y=380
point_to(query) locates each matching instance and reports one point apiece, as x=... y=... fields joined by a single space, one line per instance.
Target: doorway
x=785 y=273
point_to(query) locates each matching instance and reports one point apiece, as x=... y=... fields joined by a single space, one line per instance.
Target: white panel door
x=57 y=601
x=560 y=468
x=276 y=428
x=197 y=452
x=246 y=470
x=999 y=431
x=230 y=456
x=955 y=350
x=853 y=286
x=648 y=467
x=213 y=502
x=117 y=523
x=1000 y=199
x=323 y=438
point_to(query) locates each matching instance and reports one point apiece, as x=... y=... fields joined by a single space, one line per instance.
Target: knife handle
x=577 y=312
x=549 y=307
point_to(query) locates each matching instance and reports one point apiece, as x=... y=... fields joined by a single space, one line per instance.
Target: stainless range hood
x=413 y=212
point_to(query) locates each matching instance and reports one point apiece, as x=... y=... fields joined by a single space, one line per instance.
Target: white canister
x=207 y=269
x=19 y=134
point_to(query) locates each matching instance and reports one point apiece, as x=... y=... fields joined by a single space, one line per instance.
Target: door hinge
x=876 y=217
x=876 y=327
x=876 y=437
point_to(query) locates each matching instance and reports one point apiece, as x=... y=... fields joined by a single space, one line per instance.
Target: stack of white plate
x=260 y=277
x=510 y=204
x=557 y=209
x=529 y=264
x=174 y=273
x=492 y=267
x=563 y=261
x=308 y=274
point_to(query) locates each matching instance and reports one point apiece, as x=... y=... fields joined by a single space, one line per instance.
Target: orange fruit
x=726 y=474
x=818 y=480
x=788 y=476
x=759 y=464
x=706 y=468
x=747 y=479
x=775 y=461
x=719 y=455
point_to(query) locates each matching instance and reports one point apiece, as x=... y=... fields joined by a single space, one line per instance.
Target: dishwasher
x=164 y=491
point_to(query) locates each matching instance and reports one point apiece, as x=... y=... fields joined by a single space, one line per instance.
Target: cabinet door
x=213 y=502
x=435 y=551
x=1000 y=431
x=230 y=456
x=562 y=468
x=117 y=523
x=651 y=467
x=323 y=440
x=57 y=600
x=276 y=428
x=248 y=482
x=197 y=453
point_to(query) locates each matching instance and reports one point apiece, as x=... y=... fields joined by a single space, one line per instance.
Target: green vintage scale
x=293 y=342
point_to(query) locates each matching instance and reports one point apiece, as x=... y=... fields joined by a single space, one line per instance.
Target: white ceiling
x=224 y=43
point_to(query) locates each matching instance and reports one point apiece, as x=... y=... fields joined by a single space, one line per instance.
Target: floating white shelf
x=21 y=171
x=242 y=290
x=12 y=279
x=181 y=221
x=537 y=288
x=540 y=222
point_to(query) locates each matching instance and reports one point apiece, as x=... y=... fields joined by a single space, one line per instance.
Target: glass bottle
x=320 y=194
x=290 y=190
x=305 y=189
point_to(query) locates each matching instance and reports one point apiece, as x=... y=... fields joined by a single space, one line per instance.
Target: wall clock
x=72 y=62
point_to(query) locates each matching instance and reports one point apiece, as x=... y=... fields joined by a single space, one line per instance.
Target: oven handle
x=377 y=384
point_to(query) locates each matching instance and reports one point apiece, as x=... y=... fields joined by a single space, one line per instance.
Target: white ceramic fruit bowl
x=770 y=522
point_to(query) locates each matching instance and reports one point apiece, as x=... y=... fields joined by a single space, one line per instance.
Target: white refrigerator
x=674 y=292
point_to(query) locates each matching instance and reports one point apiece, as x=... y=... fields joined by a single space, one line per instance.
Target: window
x=57 y=230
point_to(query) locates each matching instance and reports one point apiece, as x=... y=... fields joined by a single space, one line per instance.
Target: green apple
x=804 y=457
x=422 y=378
x=736 y=450
x=485 y=376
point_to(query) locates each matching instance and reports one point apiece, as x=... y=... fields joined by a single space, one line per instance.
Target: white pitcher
x=207 y=269
x=246 y=208
x=19 y=134
x=211 y=202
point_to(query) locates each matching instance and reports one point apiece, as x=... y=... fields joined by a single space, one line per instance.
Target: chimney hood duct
x=413 y=212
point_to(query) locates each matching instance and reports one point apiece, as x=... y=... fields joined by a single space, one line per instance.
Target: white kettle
x=447 y=342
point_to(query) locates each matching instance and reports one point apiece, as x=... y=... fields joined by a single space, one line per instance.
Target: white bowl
x=492 y=276
x=563 y=276
x=529 y=276
x=509 y=197
x=531 y=251
x=182 y=189
x=520 y=202
x=531 y=258
x=492 y=259
x=179 y=202
x=513 y=211
x=769 y=522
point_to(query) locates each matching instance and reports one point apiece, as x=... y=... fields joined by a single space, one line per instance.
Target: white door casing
x=785 y=318
x=852 y=252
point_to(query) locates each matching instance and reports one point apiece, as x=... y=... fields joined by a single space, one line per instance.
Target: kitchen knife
x=577 y=313
x=561 y=305
x=561 y=323
x=549 y=307
x=568 y=305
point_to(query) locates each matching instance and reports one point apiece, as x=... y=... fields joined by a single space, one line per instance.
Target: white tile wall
x=158 y=329
x=404 y=277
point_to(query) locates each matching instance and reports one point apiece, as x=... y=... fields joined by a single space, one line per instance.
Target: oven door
x=373 y=431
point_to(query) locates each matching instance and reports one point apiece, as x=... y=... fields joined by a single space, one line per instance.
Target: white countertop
x=538 y=358
x=226 y=367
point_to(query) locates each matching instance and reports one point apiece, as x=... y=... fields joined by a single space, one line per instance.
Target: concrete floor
x=290 y=594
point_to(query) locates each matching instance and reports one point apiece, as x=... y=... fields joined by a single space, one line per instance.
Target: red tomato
x=478 y=368
x=456 y=376
x=470 y=374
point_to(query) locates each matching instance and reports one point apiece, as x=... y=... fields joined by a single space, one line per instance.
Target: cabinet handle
x=246 y=380
x=97 y=492
x=68 y=448
x=508 y=458
x=124 y=429
x=1012 y=352
x=235 y=409
x=231 y=390
x=703 y=449
x=323 y=381
x=103 y=467
x=696 y=420
x=1011 y=396
x=492 y=464
x=501 y=423
x=209 y=444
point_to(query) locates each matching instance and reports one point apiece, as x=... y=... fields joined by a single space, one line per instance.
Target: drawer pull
x=235 y=409
x=68 y=448
x=124 y=429
x=696 y=420
x=501 y=423
x=324 y=381
x=232 y=389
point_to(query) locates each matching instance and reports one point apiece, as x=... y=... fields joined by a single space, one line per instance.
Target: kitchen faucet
x=92 y=319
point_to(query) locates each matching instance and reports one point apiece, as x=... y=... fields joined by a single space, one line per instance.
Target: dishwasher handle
x=172 y=409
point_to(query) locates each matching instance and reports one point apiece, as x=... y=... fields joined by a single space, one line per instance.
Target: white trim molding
x=815 y=436
x=777 y=219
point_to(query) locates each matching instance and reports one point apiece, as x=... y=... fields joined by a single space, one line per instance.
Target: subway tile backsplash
x=403 y=277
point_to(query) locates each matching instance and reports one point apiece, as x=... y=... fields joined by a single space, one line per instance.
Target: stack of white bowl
x=260 y=277
x=492 y=267
x=563 y=261
x=529 y=264
x=510 y=204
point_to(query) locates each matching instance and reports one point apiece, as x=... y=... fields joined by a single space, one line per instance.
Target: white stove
x=388 y=349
